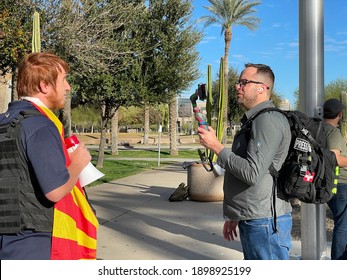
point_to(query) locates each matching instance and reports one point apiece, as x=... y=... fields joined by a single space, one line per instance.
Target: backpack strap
x=272 y=169
x=22 y=115
x=29 y=113
x=307 y=133
x=269 y=109
x=273 y=172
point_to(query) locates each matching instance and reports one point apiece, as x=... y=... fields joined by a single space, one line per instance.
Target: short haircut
x=37 y=67
x=264 y=70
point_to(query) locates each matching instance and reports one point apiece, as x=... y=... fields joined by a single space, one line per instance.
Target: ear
x=44 y=87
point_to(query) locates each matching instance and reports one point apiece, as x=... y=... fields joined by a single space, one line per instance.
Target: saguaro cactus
x=220 y=122
x=209 y=100
x=36 y=38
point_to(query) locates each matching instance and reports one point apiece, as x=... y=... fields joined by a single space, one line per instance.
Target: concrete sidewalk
x=138 y=222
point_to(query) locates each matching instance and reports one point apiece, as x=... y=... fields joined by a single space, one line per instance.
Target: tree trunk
x=146 y=126
x=173 y=127
x=14 y=93
x=227 y=39
x=114 y=134
x=101 y=156
x=65 y=117
x=5 y=91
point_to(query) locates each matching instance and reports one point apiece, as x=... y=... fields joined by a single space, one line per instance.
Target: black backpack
x=310 y=171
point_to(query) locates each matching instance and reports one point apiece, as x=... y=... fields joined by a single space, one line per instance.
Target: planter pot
x=204 y=185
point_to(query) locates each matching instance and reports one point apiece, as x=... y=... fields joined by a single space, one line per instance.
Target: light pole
x=311 y=93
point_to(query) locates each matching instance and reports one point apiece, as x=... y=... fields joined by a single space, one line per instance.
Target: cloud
x=276 y=25
x=334 y=45
x=209 y=39
x=239 y=57
x=293 y=44
x=333 y=48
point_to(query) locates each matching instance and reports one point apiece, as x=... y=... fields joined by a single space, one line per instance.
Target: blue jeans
x=338 y=207
x=260 y=241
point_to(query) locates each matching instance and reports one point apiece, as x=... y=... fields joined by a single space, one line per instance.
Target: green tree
x=338 y=89
x=229 y=13
x=15 y=32
x=178 y=68
x=172 y=65
x=102 y=41
x=85 y=117
x=334 y=89
x=296 y=99
x=15 y=36
x=131 y=116
x=331 y=90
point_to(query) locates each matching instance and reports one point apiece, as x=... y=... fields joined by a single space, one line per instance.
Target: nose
x=67 y=86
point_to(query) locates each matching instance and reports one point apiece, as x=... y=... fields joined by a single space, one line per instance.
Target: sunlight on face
x=59 y=93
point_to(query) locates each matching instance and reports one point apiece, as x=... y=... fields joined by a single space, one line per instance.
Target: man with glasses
x=249 y=196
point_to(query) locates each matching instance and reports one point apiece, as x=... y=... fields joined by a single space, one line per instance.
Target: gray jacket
x=248 y=184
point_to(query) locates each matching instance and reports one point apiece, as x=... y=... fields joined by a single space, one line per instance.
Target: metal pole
x=311 y=89
x=159 y=134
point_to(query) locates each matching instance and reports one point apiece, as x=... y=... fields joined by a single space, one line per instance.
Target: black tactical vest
x=23 y=206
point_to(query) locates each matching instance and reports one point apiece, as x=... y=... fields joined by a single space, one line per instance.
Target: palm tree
x=228 y=13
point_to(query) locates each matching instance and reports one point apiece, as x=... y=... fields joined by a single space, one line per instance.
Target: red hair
x=38 y=67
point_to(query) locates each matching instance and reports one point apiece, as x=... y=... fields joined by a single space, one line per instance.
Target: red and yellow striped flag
x=75 y=225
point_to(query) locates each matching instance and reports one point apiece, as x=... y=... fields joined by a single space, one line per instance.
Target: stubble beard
x=57 y=103
x=246 y=103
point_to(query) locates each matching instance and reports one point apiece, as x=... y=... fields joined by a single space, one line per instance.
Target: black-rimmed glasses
x=244 y=82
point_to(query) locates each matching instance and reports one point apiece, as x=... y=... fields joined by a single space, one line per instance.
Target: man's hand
x=79 y=160
x=80 y=157
x=209 y=140
x=229 y=230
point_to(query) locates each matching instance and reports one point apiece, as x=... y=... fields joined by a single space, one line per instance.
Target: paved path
x=137 y=222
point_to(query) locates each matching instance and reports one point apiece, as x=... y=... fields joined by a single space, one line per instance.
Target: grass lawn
x=164 y=153
x=116 y=169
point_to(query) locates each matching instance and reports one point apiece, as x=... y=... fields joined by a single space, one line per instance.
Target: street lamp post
x=311 y=89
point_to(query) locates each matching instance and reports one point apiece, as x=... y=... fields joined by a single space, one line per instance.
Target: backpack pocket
x=297 y=181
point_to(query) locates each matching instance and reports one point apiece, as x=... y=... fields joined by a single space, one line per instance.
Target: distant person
x=44 y=212
x=333 y=112
x=248 y=184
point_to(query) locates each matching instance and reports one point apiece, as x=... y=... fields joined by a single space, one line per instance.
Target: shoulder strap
x=22 y=115
x=246 y=125
x=306 y=132
x=266 y=110
x=274 y=173
x=272 y=169
x=29 y=113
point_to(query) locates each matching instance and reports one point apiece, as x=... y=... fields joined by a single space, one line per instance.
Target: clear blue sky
x=275 y=43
